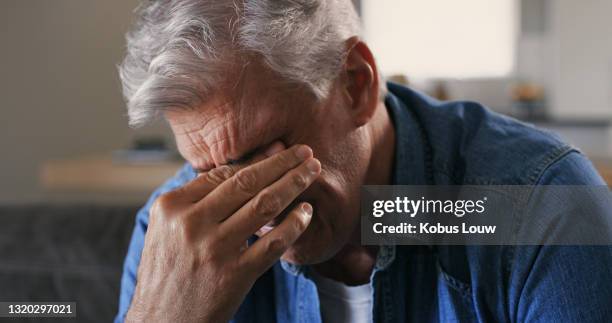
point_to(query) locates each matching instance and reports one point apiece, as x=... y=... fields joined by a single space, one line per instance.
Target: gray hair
x=179 y=50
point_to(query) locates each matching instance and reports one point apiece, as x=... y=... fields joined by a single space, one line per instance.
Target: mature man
x=279 y=111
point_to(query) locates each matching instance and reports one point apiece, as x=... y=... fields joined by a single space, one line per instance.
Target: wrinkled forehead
x=248 y=112
x=225 y=130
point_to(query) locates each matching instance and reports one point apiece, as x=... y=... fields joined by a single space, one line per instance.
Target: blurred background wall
x=480 y=48
x=59 y=91
x=581 y=52
x=548 y=62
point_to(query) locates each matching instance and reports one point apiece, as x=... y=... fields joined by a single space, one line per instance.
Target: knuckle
x=267 y=204
x=299 y=181
x=163 y=203
x=168 y=209
x=284 y=160
x=276 y=245
x=220 y=174
x=246 y=180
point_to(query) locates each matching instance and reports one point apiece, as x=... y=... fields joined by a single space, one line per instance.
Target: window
x=442 y=38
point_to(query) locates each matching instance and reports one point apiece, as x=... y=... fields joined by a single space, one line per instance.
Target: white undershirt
x=341 y=303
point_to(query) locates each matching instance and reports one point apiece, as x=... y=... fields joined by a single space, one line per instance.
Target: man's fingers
x=267 y=250
x=206 y=182
x=270 y=202
x=247 y=182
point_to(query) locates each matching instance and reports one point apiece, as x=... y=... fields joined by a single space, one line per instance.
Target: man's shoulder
x=471 y=144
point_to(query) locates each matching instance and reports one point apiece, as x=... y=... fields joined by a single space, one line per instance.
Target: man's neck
x=354 y=263
x=381 y=133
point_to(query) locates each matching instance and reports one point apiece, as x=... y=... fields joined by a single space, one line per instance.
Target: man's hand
x=195 y=264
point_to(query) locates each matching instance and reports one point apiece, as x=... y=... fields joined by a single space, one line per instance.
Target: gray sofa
x=65 y=253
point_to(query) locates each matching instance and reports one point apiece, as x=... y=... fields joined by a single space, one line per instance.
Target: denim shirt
x=448 y=143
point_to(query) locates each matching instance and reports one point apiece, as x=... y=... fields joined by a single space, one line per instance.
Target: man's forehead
x=213 y=136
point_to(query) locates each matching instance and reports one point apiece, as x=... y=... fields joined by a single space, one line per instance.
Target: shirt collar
x=411 y=146
x=384 y=258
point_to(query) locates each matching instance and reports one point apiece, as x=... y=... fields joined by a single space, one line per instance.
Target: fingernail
x=303 y=152
x=307 y=208
x=313 y=166
x=276 y=147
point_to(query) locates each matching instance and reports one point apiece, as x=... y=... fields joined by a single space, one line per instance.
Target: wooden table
x=100 y=179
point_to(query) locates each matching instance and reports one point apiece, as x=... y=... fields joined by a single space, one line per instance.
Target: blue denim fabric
x=449 y=144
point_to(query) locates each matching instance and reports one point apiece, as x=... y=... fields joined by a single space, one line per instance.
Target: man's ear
x=361 y=81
